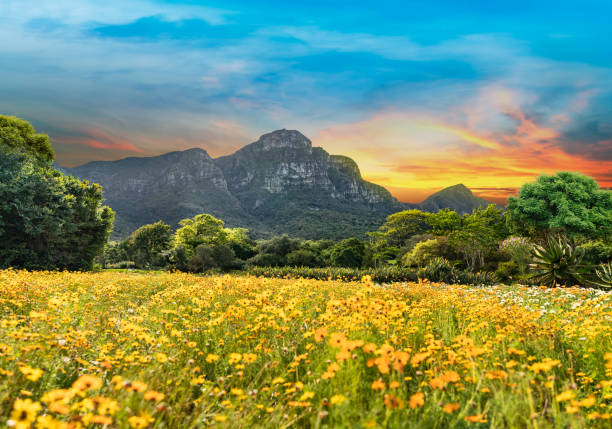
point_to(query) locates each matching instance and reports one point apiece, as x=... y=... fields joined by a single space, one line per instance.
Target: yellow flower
x=87 y=382
x=141 y=421
x=378 y=384
x=417 y=400
x=154 y=396
x=234 y=358
x=565 y=396
x=249 y=357
x=24 y=412
x=161 y=357
x=336 y=399
x=306 y=396
x=210 y=358
x=32 y=374
x=450 y=408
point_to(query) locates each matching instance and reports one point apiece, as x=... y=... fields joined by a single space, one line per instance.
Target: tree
x=479 y=235
x=19 y=136
x=400 y=227
x=444 y=222
x=203 y=243
x=566 y=203
x=202 y=229
x=240 y=242
x=148 y=243
x=348 y=253
x=48 y=220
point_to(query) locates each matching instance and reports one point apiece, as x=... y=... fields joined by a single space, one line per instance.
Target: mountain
x=457 y=197
x=278 y=184
x=169 y=187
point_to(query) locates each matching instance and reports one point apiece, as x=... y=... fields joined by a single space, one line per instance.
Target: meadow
x=176 y=350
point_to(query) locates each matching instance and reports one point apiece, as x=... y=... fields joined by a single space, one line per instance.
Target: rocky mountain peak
x=283 y=139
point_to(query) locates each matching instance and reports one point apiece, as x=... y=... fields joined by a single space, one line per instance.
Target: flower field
x=175 y=350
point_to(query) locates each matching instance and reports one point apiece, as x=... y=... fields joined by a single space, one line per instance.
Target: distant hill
x=278 y=184
x=457 y=197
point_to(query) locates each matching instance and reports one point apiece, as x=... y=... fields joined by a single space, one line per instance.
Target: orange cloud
x=99 y=139
x=415 y=154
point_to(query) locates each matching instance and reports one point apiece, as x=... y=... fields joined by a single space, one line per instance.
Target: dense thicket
x=47 y=220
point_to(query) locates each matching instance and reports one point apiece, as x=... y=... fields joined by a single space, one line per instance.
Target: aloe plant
x=557 y=263
x=604 y=274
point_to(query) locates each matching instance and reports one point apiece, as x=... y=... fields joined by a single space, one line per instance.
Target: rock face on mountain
x=278 y=184
x=169 y=187
x=458 y=198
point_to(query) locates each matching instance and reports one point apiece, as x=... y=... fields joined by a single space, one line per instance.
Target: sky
x=421 y=94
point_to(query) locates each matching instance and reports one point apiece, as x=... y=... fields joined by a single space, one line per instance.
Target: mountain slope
x=457 y=197
x=278 y=184
x=293 y=187
x=169 y=187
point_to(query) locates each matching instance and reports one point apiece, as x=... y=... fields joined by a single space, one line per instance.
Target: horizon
x=421 y=96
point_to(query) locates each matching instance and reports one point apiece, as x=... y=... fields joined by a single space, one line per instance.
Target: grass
x=173 y=350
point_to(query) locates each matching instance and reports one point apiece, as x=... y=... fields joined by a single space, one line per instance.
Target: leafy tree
x=400 y=227
x=48 y=220
x=348 y=253
x=240 y=242
x=19 y=136
x=302 y=258
x=202 y=229
x=479 y=235
x=567 y=203
x=203 y=243
x=444 y=222
x=148 y=243
x=423 y=253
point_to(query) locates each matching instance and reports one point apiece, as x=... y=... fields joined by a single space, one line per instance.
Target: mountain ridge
x=280 y=183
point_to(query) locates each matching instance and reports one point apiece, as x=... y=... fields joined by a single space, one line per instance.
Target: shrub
x=506 y=270
x=557 y=263
x=423 y=253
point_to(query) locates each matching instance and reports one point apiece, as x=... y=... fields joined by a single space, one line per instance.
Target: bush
x=506 y=270
x=596 y=252
x=348 y=253
x=422 y=253
x=302 y=258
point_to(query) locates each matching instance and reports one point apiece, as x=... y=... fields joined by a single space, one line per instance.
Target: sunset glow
x=423 y=95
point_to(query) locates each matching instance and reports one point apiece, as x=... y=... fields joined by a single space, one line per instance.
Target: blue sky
x=402 y=87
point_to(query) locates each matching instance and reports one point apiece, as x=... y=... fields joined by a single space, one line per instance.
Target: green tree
x=48 y=220
x=479 y=236
x=348 y=253
x=148 y=244
x=202 y=243
x=444 y=222
x=566 y=203
x=19 y=136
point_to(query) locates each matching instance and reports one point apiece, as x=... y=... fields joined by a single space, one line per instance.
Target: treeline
x=485 y=246
x=558 y=230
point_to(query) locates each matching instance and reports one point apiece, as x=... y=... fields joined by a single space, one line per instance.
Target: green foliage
x=19 y=136
x=557 y=263
x=302 y=258
x=567 y=203
x=423 y=253
x=519 y=249
x=400 y=227
x=438 y=270
x=506 y=270
x=479 y=236
x=48 y=220
x=444 y=222
x=240 y=242
x=149 y=245
x=604 y=274
x=596 y=252
x=348 y=253
x=386 y=274
x=202 y=243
